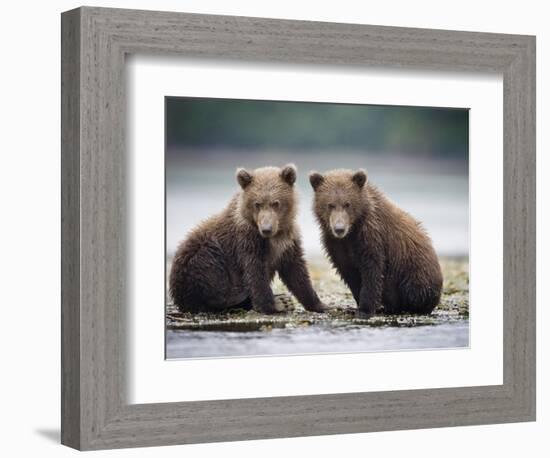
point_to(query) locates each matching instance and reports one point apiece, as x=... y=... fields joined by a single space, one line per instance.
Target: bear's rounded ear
x=244 y=177
x=359 y=178
x=288 y=173
x=315 y=178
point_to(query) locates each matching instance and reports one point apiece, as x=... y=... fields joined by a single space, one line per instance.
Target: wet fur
x=225 y=261
x=386 y=258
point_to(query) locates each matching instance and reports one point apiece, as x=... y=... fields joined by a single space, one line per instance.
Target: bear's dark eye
x=331 y=206
x=346 y=205
x=257 y=205
x=275 y=204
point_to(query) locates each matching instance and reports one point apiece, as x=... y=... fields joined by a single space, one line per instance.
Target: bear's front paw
x=319 y=307
x=366 y=310
x=363 y=315
x=270 y=308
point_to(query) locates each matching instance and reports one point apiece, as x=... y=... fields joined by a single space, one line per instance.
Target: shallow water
x=315 y=339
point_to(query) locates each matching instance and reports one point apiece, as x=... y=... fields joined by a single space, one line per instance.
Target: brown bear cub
x=382 y=253
x=230 y=259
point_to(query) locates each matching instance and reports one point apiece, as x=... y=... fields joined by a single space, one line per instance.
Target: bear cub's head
x=268 y=198
x=338 y=200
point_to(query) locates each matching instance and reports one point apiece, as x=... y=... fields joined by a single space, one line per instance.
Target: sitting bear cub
x=381 y=252
x=230 y=259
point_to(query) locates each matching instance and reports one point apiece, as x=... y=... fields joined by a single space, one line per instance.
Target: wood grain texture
x=70 y=229
x=95 y=411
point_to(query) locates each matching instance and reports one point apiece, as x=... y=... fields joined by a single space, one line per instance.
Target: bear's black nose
x=339 y=230
x=266 y=230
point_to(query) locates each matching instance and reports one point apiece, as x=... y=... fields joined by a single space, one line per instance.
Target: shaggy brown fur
x=381 y=252
x=230 y=259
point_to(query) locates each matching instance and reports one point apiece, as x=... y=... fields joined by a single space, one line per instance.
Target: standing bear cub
x=230 y=259
x=381 y=252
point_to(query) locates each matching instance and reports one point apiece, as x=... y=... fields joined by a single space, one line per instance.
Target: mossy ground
x=454 y=306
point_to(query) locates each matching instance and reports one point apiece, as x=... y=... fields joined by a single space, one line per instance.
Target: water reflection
x=315 y=339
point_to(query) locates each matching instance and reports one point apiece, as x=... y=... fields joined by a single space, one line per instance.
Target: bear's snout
x=339 y=223
x=266 y=229
x=339 y=229
x=267 y=223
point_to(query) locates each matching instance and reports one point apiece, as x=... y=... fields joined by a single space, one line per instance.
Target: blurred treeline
x=256 y=124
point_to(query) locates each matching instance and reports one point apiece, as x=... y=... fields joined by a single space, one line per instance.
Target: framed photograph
x=418 y=157
x=277 y=228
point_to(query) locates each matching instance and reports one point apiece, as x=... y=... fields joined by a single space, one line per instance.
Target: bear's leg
x=245 y=305
x=352 y=278
x=294 y=274
x=390 y=298
x=204 y=282
x=417 y=295
x=372 y=285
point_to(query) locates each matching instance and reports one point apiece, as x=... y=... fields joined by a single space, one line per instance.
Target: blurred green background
x=253 y=124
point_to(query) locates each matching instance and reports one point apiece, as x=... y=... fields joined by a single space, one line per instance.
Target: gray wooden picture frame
x=95 y=41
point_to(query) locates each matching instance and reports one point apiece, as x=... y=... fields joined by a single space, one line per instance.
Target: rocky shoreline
x=454 y=306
